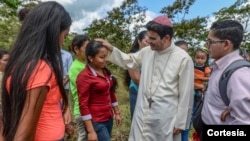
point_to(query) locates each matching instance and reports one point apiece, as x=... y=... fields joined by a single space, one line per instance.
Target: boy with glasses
x=223 y=45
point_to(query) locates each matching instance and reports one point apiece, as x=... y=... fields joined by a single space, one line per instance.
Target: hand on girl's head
x=105 y=43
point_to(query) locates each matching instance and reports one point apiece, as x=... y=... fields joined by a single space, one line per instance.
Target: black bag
x=197 y=121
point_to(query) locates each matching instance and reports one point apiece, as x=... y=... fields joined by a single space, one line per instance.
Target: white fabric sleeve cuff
x=87 y=117
x=115 y=104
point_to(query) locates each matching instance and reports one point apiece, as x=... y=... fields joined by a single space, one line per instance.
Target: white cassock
x=167 y=77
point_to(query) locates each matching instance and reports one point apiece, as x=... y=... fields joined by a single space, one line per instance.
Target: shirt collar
x=92 y=70
x=168 y=49
x=227 y=59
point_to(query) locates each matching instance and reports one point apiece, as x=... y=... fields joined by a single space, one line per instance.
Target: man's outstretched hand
x=105 y=43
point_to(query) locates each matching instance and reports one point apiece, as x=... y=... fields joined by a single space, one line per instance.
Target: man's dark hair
x=229 y=30
x=160 y=29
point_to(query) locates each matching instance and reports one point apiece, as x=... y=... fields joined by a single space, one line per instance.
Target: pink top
x=50 y=125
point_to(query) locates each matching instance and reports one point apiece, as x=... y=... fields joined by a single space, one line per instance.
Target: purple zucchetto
x=163 y=20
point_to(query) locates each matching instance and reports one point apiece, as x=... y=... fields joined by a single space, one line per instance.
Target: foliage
x=9 y=26
x=9 y=23
x=240 y=11
x=119 y=26
x=12 y=3
x=116 y=26
x=193 y=30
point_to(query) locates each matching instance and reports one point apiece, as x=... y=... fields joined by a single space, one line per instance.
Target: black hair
x=23 y=13
x=38 y=39
x=134 y=48
x=135 y=45
x=180 y=42
x=78 y=41
x=161 y=30
x=229 y=30
x=92 y=49
x=3 y=52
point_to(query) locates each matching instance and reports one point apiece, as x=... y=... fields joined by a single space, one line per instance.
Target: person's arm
x=69 y=63
x=118 y=118
x=135 y=75
x=115 y=109
x=83 y=90
x=92 y=136
x=238 y=94
x=198 y=86
x=67 y=116
x=32 y=109
x=205 y=78
x=186 y=97
x=126 y=61
x=65 y=80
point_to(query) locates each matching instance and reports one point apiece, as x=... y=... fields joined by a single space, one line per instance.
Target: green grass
x=121 y=133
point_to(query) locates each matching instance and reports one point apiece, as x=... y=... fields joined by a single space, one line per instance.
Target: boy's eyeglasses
x=210 y=42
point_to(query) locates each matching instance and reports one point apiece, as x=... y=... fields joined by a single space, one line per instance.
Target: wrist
x=117 y=112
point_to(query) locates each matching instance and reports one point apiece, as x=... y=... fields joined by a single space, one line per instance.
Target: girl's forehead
x=199 y=52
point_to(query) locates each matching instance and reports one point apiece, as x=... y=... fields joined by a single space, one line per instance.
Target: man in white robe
x=165 y=98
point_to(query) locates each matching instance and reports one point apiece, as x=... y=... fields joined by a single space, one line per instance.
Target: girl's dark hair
x=3 y=52
x=134 y=48
x=38 y=39
x=92 y=49
x=78 y=41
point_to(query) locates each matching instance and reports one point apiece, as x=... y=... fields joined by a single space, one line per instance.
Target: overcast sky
x=83 y=12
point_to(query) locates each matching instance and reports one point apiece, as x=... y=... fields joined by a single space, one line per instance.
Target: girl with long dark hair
x=32 y=83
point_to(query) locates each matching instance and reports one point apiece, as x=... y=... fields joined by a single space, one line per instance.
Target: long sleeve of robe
x=168 y=78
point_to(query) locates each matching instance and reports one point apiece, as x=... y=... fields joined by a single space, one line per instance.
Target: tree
x=12 y=3
x=191 y=30
x=240 y=11
x=119 y=26
x=9 y=24
x=116 y=26
x=195 y=31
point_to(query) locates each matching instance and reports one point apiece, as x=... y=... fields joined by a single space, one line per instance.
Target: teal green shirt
x=74 y=70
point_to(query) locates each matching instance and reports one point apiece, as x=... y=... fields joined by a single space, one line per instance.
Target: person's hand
x=67 y=116
x=203 y=88
x=118 y=120
x=69 y=129
x=197 y=77
x=177 y=131
x=105 y=43
x=92 y=136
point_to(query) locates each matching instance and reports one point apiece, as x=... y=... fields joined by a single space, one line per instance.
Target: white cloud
x=83 y=12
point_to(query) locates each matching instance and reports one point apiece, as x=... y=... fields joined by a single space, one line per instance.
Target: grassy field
x=121 y=133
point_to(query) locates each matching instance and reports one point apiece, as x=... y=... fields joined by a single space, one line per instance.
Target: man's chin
x=152 y=47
